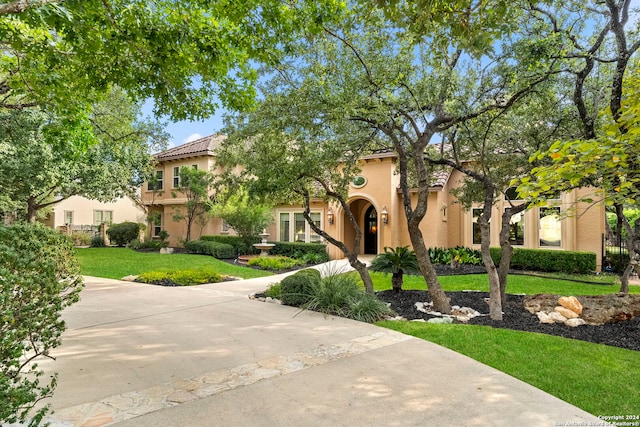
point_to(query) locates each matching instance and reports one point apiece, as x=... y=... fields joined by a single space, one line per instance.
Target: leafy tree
x=291 y=157
x=184 y=54
x=494 y=149
x=40 y=277
x=245 y=214
x=397 y=262
x=605 y=155
x=44 y=161
x=194 y=186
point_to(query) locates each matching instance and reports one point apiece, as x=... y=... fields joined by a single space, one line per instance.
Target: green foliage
x=116 y=263
x=395 y=260
x=632 y=215
x=274 y=291
x=40 y=277
x=297 y=289
x=147 y=244
x=274 y=262
x=340 y=295
x=215 y=249
x=239 y=244
x=80 y=239
x=458 y=255
x=195 y=185
x=123 y=233
x=549 y=260
x=181 y=277
x=298 y=249
x=98 y=242
x=246 y=215
x=314 y=258
x=104 y=158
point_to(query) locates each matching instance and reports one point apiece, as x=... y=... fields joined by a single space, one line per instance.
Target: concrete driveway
x=144 y=355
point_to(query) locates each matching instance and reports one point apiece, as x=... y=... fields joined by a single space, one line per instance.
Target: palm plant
x=397 y=262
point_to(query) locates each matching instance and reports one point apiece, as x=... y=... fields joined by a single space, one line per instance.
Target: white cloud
x=191 y=137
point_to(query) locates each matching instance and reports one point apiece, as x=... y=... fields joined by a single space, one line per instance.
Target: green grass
x=600 y=379
x=517 y=284
x=116 y=263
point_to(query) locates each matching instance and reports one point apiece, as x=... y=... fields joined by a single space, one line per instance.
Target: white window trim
x=292 y=234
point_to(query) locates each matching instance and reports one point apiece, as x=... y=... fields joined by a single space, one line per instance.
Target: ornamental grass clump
x=297 y=289
x=341 y=295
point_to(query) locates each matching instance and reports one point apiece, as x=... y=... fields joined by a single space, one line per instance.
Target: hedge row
x=238 y=245
x=549 y=260
x=289 y=249
x=215 y=249
x=298 y=249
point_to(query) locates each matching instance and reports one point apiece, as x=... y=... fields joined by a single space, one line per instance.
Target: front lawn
x=517 y=284
x=600 y=379
x=116 y=263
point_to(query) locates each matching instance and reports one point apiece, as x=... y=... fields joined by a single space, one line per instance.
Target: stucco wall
x=83 y=211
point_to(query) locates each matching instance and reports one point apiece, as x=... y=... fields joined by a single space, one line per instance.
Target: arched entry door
x=371 y=231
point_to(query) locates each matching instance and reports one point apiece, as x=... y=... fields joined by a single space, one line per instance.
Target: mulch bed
x=622 y=334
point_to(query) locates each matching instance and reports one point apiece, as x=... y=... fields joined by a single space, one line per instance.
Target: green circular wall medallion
x=359 y=181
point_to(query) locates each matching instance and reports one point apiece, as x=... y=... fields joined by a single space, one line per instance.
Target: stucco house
x=82 y=214
x=375 y=200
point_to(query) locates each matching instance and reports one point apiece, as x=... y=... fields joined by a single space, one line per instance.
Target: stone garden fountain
x=263 y=245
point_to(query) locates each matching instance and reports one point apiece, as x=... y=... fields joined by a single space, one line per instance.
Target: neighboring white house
x=83 y=213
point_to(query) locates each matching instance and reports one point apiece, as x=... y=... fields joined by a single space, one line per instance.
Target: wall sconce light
x=385 y=215
x=330 y=216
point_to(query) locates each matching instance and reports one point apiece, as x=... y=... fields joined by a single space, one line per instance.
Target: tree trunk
x=32 y=210
x=631 y=249
x=495 y=298
x=506 y=249
x=438 y=297
x=396 y=281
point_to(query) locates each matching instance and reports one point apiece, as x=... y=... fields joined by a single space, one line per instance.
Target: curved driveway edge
x=143 y=355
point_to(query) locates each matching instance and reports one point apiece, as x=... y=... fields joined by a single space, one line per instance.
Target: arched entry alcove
x=370 y=230
x=366 y=217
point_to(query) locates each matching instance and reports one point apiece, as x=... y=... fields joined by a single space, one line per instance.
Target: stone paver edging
x=129 y=405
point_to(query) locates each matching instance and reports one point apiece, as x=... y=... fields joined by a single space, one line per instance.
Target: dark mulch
x=623 y=334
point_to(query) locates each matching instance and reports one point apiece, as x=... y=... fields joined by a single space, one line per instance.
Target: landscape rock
x=596 y=309
x=571 y=303
x=441 y=320
x=569 y=314
x=544 y=317
x=166 y=250
x=575 y=322
x=557 y=317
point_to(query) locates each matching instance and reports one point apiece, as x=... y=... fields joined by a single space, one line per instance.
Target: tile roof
x=200 y=147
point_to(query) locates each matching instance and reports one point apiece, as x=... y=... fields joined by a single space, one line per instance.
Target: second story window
x=157 y=182
x=176 y=177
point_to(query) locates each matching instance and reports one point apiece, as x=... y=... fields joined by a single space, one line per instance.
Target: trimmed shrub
x=571 y=262
x=215 y=249
x=275 y=262
x=274 y=291
x=298 y=289
x=97 y=242
x=181 y=277
x=455 y=256
x=39 y=277
x=147 y=245
x=298 y=249
x=123 y=233
x=239 y=246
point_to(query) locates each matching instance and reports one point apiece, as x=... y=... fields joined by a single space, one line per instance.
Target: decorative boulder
x=575 y=322
x=596 y=309
x=544 y=317
x=566 y=312
x=571 y=303
x=557 y=317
